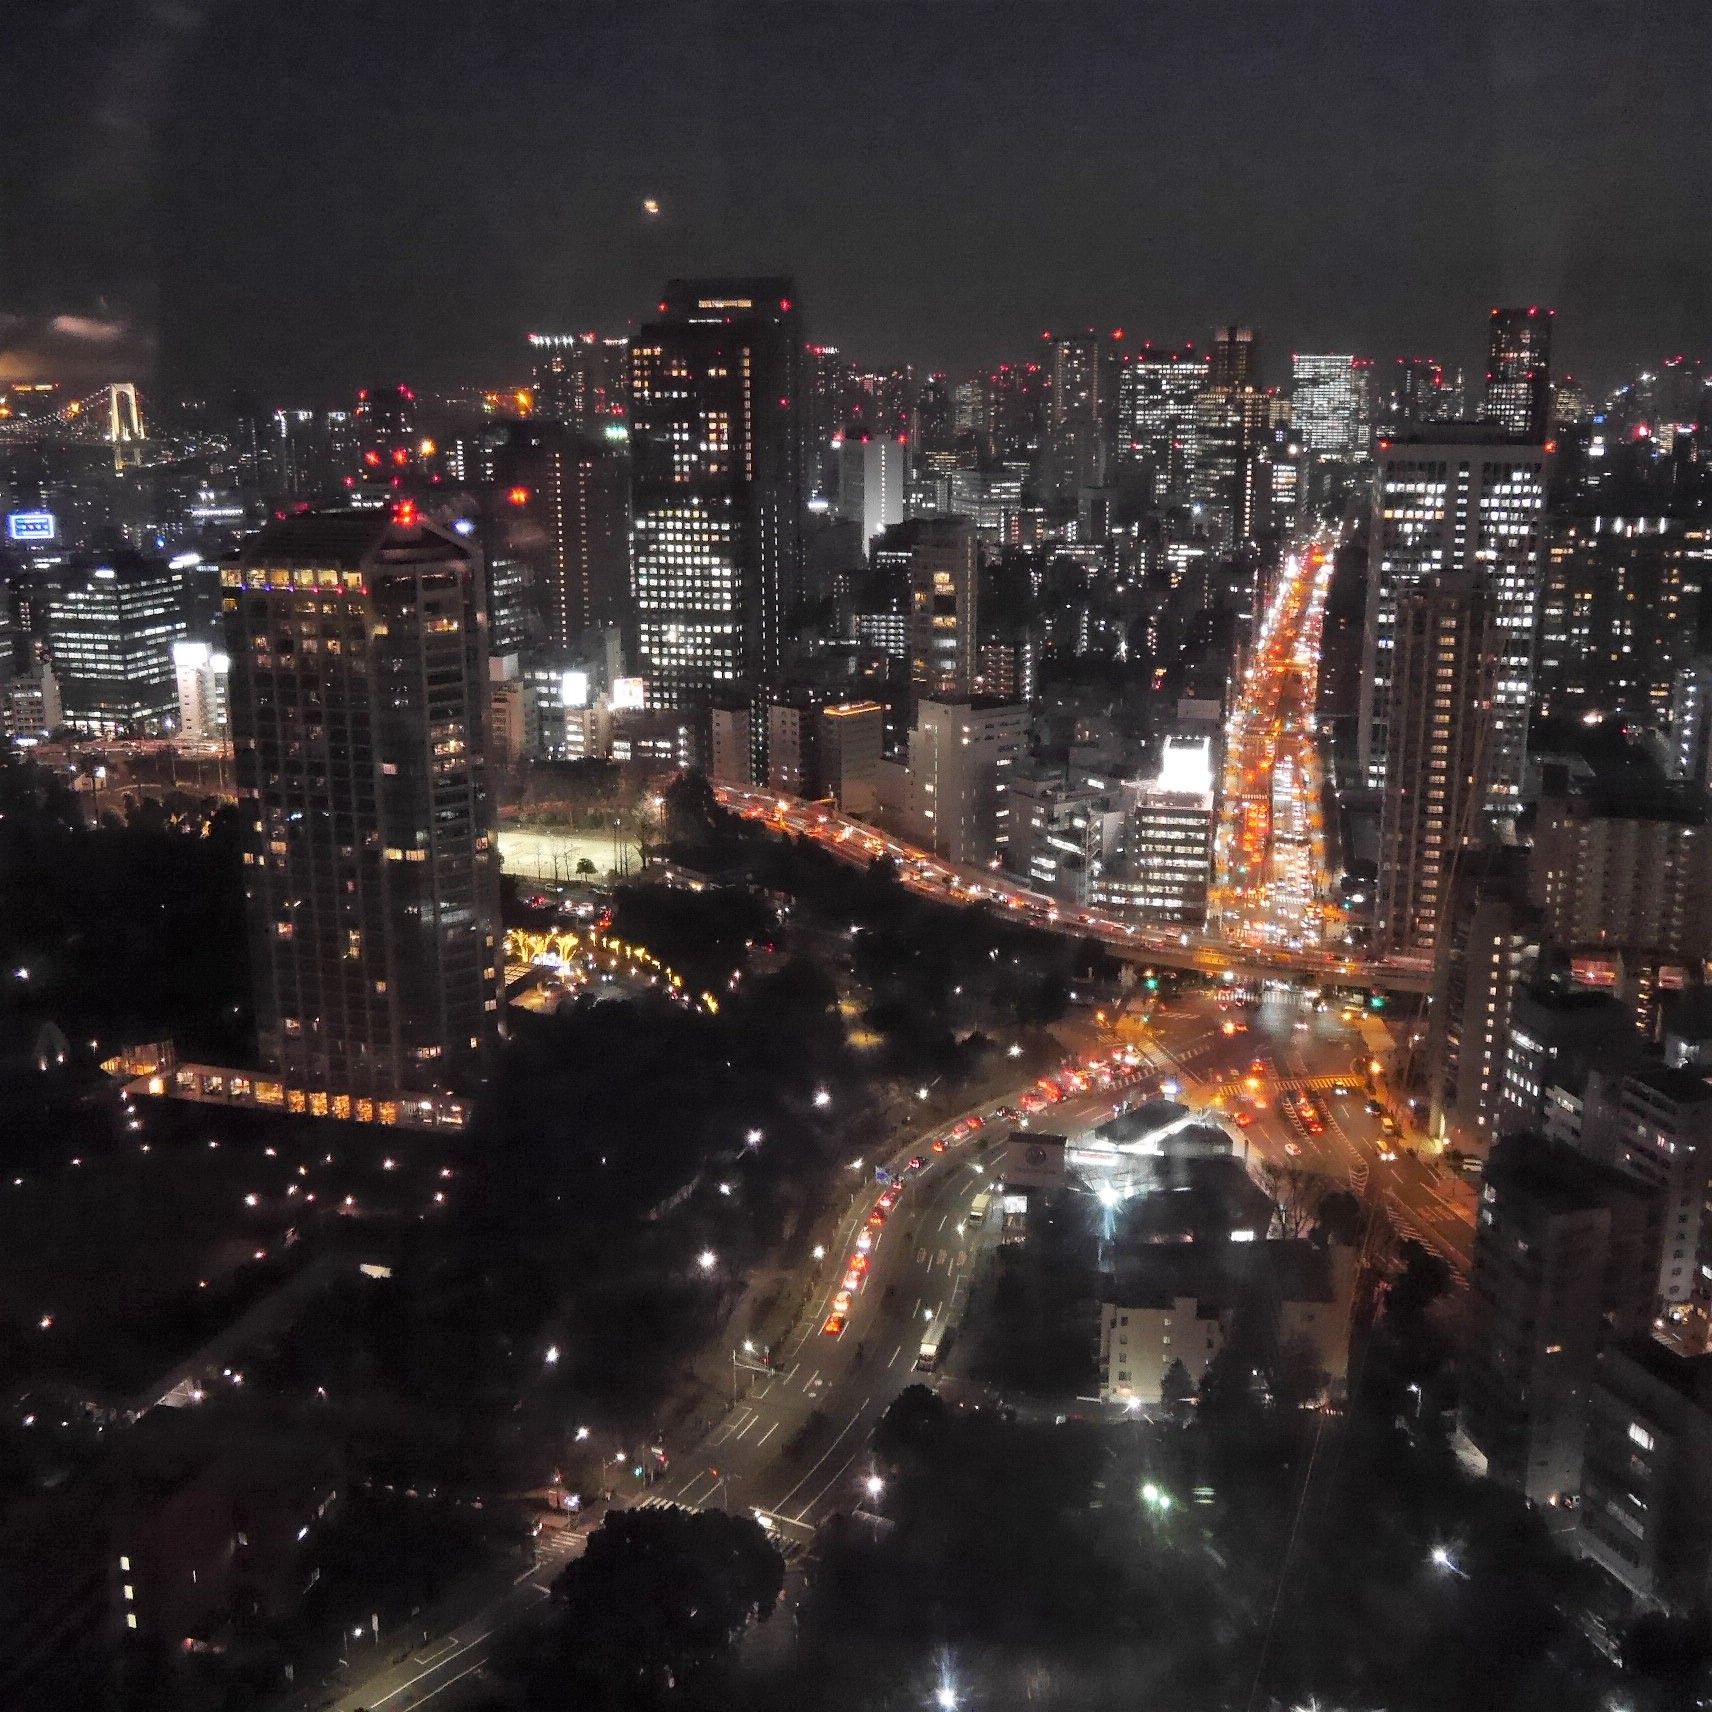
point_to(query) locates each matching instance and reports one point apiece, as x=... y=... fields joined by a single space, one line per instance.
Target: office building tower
x=574 y=488
x=389 y=448
x=852 y=740
x=359 y=702
x=1562 y=1265
x=1623 y=602
x=1422 y=395
x=1464 y=500
x=1645 y=1514
x=1168 y=838
x=1438 y=735
x=582 y=380
x=1063 y=835
x=871 y=474
x=1570 y=405
x=204 y=700
x=1325 y=405
x=1233 y=358
x=1518 y=397
x=1017 y=395
x=944 y=608
x=1157 y=391
x=110 y=640
x=1235 y=428
x=716 y=438
x=962 y=753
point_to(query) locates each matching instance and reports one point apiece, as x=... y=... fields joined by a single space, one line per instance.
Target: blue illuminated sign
x=31 y=526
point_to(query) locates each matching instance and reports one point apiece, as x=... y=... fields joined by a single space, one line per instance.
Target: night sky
x=309 y=193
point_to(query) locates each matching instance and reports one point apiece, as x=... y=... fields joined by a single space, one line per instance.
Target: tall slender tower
x=358 y=685
x=716 y=394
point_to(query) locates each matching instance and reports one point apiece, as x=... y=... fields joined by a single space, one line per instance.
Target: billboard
x=31 y=527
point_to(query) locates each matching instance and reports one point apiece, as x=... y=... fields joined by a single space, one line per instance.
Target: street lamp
x=819 y=1251
x=822 y=1098
x=707 y=1260
x=552 y=1355
x=945 y=1697
x=752 y=1139
x=874 y=1486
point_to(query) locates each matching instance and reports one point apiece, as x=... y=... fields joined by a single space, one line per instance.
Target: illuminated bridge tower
x=125 y=432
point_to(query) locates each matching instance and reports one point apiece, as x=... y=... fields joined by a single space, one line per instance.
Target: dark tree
x=911 y=1426
x=663 y=1597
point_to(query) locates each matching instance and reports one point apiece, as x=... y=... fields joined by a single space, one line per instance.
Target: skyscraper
x=1518 y=372
x=110 y=641
x=1324 y=405
x=581 y=379
x=1423 y=393
x=1461 y=499
x=575 y=488
x=1625 y=598
x=716 y=395
x=1438 y=730
x=944 y=632
x=359 y=691
x=1156 y=414
x=1083 y=370
x=1233 y=358
x=871 y=472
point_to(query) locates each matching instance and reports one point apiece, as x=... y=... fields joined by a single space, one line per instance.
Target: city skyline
x=1085 y=182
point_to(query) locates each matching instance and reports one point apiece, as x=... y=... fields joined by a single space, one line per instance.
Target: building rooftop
x=1553 y=1177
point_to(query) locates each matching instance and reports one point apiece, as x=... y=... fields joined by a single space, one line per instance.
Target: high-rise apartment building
x=110 y=640
x=1324 y=404
x=944 y=607
x=1518 y=397
x=1622 y=874
x=1691 y=721
x=716 y=398
x=359 y=702
x=1438 y=734
x=1465 y=500
x=1624 y=598
x=1562 y=1264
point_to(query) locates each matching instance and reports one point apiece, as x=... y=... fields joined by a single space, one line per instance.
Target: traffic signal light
x=1376 y=1001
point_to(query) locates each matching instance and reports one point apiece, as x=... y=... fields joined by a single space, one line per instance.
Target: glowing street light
x=552 y=1356
x=874 y=1486
x=707 y=1260
x=822 y=1098
x=582 y=1434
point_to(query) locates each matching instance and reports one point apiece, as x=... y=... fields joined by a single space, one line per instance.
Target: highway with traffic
x=860 y=841
x=793 y=1445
